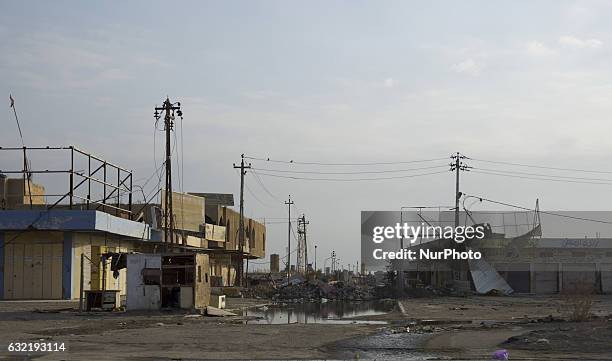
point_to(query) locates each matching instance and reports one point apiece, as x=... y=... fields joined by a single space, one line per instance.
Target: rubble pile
x=317 y=290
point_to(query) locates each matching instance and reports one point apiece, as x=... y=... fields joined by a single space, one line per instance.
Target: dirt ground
x=160 y=336
x=529 y=327
x=448 y=328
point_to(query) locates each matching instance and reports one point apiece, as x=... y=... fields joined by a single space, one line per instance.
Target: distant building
x=274 y=263
x=519 y=256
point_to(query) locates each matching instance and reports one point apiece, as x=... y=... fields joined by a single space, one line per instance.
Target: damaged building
x=523 y=252
x=88 y=217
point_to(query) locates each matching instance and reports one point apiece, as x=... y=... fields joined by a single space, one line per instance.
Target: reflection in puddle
x=336 y=312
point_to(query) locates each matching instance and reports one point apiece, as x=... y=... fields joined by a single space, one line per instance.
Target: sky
x=324 y=82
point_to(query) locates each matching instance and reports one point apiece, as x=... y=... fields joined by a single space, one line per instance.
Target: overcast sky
x=323 y=81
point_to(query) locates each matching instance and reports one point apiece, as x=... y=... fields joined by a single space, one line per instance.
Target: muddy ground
x=428 y=328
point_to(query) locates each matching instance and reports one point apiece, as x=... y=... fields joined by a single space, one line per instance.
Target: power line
x=256 y=198
x=543 y=167
x=541 y=179
x=546 y=175
x=358 y=172
x=263 y=186
x=343 y=164
x=349 y=179
x=535 y=210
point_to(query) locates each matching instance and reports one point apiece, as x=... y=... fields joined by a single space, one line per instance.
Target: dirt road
x=451 y=328
x=141 y=336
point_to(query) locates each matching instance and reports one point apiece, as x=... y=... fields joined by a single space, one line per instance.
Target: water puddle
x=385 y=346
x=332 y=312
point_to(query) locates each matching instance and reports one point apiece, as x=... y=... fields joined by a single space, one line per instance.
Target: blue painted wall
x=67 y=266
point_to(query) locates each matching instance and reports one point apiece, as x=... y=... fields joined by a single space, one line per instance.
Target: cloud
x=390 y=83
x=56 y=61
x=261 y=95
x=536 y=48
x=468 y=66
x=575 y=42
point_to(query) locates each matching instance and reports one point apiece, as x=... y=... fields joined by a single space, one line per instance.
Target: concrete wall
x=93 y=245
x=222 y=265
x=255 y=232
x=551 y=270
x=15 y=193
x=188 y=210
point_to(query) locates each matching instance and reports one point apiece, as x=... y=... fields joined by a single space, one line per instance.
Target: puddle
x=332 y=312
x=384 y=346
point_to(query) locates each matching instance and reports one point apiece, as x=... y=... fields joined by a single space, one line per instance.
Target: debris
x=213 y=311
x=319 y=290
x=192 y=316
x=502 y=354
x=294 y=280
x=57 y=310
x=235 y=292
x=160 y=324
x=487 y=280
x=543 y=340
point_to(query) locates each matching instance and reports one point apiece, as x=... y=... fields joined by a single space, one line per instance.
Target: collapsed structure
x=516 y=257
x=58 y=244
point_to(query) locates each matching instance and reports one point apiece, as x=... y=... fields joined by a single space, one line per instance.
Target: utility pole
x=459 y=268
x=456 y=166
x=242 y=167
x=333 y=257
x=305 y=243
x=169 y=110
x=302 y=253
x=289 y=203
x=315 y=262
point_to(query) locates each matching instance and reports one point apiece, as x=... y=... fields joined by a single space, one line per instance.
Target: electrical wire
x=543 y=175
x=542 y=167
x=541 y=179
x=350 y=179
x=255 y=197
x=343 y=164
x=358 y=172
x=534 y=210
x=262 y=185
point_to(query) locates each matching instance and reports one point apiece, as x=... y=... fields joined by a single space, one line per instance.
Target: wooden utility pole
x=243 y=168
x=169 y=110
x=289 y=203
